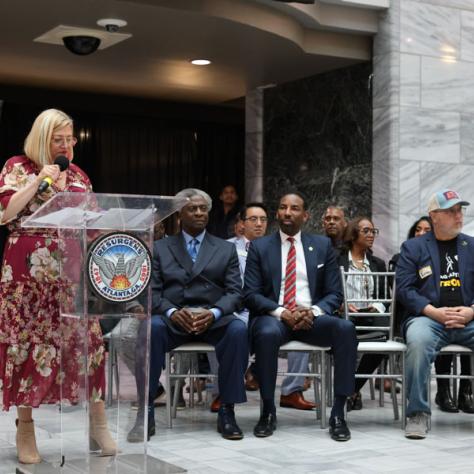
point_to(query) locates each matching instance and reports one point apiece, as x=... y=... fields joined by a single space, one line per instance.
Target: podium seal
x=119 y=267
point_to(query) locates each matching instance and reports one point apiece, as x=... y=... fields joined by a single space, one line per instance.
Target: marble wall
x=317 y=137
x=423 y=111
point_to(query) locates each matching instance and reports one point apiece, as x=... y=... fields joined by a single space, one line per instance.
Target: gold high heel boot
x=26 y=442
x=99 y=434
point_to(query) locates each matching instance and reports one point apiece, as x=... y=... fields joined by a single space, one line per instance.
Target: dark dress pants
x=268 y=334
x=230 y=341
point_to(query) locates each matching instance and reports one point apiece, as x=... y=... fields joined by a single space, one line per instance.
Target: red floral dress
x=30 y=333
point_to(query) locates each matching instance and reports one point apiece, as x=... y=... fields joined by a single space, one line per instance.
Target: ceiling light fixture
x=200 y=62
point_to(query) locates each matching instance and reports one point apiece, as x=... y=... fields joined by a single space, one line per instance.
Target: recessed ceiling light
x=200 y=62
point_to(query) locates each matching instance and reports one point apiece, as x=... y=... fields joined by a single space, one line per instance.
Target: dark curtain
x=140 y=155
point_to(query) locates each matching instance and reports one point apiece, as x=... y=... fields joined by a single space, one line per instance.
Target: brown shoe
x=251 y=382
x=387 y=385
x=297 y=401
x=216 y=404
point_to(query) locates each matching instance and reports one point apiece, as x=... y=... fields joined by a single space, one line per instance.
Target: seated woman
x=357 y=257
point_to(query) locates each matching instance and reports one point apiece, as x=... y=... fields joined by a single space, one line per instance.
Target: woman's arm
x=22 y=197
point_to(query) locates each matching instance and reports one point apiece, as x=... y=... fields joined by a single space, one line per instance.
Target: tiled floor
x=299 y=445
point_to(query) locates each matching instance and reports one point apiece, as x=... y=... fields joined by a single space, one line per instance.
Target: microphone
x=63 y=164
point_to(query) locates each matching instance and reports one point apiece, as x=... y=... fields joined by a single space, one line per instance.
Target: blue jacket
x=415 y=290
x=263 y=274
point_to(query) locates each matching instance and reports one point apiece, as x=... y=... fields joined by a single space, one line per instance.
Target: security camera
x=112 y=25
x=81 y=45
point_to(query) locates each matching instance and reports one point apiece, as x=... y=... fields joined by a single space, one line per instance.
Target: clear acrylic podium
x=82 y=220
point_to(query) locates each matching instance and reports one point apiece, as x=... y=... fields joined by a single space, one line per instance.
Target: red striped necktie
x=289 y=300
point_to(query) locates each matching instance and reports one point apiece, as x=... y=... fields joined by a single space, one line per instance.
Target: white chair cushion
x=194 y=347
x=387 y=346
x=302 y=346
x=456 y=348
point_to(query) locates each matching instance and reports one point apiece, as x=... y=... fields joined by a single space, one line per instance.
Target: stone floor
x=299 y=445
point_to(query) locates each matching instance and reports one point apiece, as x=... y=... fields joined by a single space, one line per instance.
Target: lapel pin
x=464 y=243
x=310 y=249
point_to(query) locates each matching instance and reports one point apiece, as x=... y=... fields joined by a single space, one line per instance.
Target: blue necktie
x=192 y=249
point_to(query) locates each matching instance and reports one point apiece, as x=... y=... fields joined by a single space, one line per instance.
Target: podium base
x=124 y=464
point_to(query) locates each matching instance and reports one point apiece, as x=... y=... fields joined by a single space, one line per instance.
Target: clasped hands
x=457 y=317
x=193 y=322
x=298 y=319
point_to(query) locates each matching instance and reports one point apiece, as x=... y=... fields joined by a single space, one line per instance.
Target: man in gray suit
x=196 y=289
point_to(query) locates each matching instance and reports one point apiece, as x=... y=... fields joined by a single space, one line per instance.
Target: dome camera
x=81 y=45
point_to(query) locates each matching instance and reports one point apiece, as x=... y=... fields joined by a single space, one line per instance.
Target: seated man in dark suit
x=196 y=289
x=435 y=285
x=292 y=286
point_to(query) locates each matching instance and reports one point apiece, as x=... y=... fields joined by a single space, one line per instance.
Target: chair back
x=365 y=290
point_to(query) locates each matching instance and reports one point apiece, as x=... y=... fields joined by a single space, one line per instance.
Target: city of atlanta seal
x=119 y=267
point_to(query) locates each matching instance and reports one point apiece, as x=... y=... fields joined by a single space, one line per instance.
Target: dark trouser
x=230 y=341
x=443 y=367
x=368 y=364
x=268 y=334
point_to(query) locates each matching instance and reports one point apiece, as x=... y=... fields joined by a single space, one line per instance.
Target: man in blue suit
x=435 y=284
x=292 y=286
x=196 y=289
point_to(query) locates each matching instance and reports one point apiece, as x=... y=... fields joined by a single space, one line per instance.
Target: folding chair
x=380 y=335
x=191 y=348
x=318 y=373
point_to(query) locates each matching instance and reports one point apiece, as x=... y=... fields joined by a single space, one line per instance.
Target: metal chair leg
x=393 y=390
x=168 y=389
x=323 y=390
x=404 y=392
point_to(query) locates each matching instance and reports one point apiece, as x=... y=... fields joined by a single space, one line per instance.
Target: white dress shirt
x=303 y=294
x=361 y=287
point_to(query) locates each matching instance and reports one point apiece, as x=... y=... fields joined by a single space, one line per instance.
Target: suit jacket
x=263 y=274
x=415 y=291
x=213 y=281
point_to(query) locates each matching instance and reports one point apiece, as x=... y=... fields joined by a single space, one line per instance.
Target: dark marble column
x=254 y=146
x=318 y=140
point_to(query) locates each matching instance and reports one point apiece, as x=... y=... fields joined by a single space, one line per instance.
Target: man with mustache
x=435 y=284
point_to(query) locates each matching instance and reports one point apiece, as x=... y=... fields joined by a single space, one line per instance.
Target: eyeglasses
x=368 y=230
x=254 y=219
x=68 y=141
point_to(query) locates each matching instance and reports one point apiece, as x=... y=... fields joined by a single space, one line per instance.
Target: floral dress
x=30 y=333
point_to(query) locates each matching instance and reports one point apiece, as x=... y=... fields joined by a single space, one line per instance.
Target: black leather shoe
x=354 y=402
x=266 y=425
x=226 y=424
x=135 y=435
x=466 y=399
x=338 y=429
x=444 y=400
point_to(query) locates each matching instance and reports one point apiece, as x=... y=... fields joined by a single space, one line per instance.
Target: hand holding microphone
x=50 y=173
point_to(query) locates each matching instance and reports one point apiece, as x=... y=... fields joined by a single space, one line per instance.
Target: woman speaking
x=30 y=337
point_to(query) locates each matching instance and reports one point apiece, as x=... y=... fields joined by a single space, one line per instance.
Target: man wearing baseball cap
x=435 y=282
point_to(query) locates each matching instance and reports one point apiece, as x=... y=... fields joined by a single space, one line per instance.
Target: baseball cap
x=445 y=199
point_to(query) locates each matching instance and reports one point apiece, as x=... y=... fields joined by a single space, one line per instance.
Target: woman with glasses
x=30 y=338
x=356 y=256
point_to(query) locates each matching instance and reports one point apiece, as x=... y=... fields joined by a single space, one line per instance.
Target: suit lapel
x=434 y=253
x=311 y=261
x=275 y=263
x=206 y=252
x=178 y=249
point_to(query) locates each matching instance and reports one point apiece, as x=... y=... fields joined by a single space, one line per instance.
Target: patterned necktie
x=289 y=300
x=192 y=249
x=247 y=245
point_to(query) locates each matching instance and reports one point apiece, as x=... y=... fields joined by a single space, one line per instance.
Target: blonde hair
x=37 y=143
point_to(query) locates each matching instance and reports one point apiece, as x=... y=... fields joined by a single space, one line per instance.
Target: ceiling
x=251 y=43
